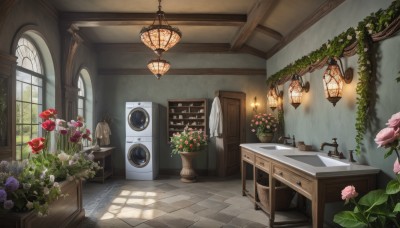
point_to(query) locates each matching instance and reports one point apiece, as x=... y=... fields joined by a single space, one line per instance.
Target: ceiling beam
x=180 y=48
x=257 y=13
x=88 y=19
x=323 y=10
x=189 y=71
x=269 y=32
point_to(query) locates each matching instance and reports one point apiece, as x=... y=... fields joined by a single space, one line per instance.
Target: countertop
x=318 y=172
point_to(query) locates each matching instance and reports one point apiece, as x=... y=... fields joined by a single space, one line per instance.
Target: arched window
x=81 y=97
x=30 y=81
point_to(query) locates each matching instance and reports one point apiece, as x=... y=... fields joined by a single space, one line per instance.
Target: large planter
x=265 y=138
x=65 y=212
x=188 y=175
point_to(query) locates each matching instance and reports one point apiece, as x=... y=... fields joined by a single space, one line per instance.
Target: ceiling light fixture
x=158 y=67
x=334 y=79
x=296 y=89
x=160 y=37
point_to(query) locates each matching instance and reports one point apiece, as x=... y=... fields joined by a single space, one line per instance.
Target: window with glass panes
x=29 y=95
x=81 y=97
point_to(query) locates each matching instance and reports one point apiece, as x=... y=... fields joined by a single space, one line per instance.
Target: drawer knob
x=298 y=183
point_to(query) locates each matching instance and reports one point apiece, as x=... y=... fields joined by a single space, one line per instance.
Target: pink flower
x=396 y=166
x=186 y=142
x=394 y=121
x=256 y=122
x=349 y=192
x=49 y=125
x=253 y=130
x=386 y=136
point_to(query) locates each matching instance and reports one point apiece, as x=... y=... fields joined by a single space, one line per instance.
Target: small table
x=104 y=157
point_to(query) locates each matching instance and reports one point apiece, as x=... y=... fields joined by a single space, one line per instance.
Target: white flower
x=368 y=25
x=328 y=45
x=29 y=205
x=349 y=37
x=365 y=49
x=56 y=185
x=370 y=31
x=46 y=190
x=341 y=40
x=63 y=156
x=51 y=178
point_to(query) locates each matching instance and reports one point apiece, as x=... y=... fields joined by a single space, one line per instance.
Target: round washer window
x=139 y=155
x=138 y=119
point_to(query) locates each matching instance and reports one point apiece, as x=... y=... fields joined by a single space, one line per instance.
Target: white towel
x=103 y=133
x=216 y=118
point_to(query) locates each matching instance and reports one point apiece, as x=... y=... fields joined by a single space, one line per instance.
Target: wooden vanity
x=318 y=184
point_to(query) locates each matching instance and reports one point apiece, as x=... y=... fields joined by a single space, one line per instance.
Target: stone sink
x=276 y=147
x=317 y=160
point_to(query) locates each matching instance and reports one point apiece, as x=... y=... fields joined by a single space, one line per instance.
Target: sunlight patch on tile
x=143 y=202
x=107 y=215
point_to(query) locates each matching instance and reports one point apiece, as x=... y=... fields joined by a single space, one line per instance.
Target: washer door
x=138 y=119
x=138 y=155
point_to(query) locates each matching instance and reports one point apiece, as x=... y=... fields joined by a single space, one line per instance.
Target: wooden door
x=233 y=118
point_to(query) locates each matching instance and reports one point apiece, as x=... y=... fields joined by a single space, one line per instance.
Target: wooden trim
x=257 y=13
x=269 y=32
x=49 y=8
x=88 y=19
x=323 y=10
x=192 y=71
x=5 y=8
x=252 y=51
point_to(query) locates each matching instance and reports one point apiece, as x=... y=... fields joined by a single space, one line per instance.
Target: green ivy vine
x=372 y=24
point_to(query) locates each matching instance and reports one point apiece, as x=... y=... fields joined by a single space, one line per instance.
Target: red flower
x=36 y=144
x=47 y=114
x=49 y=125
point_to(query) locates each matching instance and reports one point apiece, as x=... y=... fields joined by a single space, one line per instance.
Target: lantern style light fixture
x=255 y=104
x=160 y=36
x=296 y=89
x=273 y=97
x=158 y=67
x=334 y=79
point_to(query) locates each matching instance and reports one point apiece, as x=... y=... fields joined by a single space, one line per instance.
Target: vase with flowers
x=264 y=126
x=188 y=145
x=378 y=208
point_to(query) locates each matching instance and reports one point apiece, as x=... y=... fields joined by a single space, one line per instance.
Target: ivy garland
x=372 y=24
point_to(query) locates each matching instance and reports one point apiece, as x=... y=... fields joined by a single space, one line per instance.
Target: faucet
x=334 y=153
x=284 y=140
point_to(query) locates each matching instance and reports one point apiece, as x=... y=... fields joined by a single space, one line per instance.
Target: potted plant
x=264 y=125
x=188 y=144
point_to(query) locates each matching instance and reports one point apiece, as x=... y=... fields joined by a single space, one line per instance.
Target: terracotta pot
x=188 y=175
x=265 y=138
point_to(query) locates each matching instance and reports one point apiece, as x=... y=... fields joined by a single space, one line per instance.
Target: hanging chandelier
x=161 y=36
x=158 y=67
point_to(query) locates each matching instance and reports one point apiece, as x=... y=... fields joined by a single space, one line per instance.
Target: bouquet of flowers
x=264 y=123
x=188 y=141
x=33 y=183
x=378 y=208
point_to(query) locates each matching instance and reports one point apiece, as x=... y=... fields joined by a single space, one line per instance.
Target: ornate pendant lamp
x=158 y=67
x=161 y=36
x=296 y=89
x=334 y=79
x=273 y=97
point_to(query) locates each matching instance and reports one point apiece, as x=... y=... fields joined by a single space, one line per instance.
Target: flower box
x=65 y=212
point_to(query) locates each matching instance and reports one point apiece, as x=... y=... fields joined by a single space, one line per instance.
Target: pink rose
x=396 y=167
x=386 y=136
x=394 y=121
x=349 y=192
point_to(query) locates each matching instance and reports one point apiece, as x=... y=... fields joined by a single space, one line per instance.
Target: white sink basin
x=275 y=147
x=317 y=160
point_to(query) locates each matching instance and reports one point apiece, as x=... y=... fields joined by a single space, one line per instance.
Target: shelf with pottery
x=314 y=175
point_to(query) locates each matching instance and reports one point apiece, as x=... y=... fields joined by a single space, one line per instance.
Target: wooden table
x=104 y=157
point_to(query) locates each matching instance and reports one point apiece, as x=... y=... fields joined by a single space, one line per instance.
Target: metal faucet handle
x=334 y=140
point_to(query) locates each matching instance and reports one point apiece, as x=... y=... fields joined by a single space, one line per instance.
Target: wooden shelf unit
x=191 y=112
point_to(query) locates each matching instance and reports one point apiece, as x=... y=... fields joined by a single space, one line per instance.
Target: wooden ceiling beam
x=189 y=71
x=257 y=13
x=323 y=10
x=269 y=32
x=88 y=19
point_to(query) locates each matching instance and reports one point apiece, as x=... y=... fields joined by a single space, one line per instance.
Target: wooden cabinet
x=182 y=113
x=104 y=157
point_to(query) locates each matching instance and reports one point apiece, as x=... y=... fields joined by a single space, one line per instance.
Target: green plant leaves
x=374 y=198
x=350 y=219
x=393 y=187
x=397 y=208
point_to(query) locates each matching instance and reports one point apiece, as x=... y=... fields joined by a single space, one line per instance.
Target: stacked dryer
x=141 y=146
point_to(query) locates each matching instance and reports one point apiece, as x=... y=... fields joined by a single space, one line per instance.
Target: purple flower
x=8 y=204
x=3 y=195
x=12 y=184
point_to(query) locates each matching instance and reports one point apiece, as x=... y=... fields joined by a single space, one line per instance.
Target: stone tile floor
x=167 y=202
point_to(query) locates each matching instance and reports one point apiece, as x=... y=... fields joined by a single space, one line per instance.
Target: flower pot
x=188 y=175
x=265 y=138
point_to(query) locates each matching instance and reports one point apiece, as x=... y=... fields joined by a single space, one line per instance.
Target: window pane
x=35 y=132
x=26 y=113
x=26 y=92
x=18 y=114
x=25 y=151
x=26 y=133
x=22 y=76
x=80 y=112
x=18 y=153
x=19 y=91
x=40 y=95
x=35 y=94
x=35 y=117
x=28 y=56
x=80 y=103
x=18 y=134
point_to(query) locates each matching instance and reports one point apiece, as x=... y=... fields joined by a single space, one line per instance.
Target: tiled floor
x=167 y=202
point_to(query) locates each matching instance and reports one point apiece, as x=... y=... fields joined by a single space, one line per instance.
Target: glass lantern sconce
x=273 y=97
x=334 y=79
x=255 y=104
x=296 y=89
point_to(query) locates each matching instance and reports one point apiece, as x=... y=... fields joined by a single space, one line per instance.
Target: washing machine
x=141 y=155
x=141 y=119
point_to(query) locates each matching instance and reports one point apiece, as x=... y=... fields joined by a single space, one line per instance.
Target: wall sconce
x=273 y=97
x=255 y=105
x=333 y=80
x=296 y=89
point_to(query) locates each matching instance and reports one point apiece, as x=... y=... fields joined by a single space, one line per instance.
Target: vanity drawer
x=263 y=164
x=294 y=180
x=248 y=156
